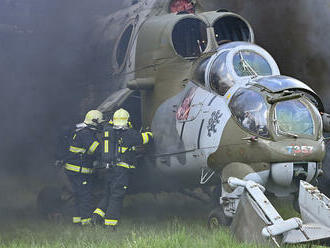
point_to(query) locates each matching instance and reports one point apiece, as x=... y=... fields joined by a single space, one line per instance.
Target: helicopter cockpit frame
x=263 y=102
x=291 y=116
x=236 y=63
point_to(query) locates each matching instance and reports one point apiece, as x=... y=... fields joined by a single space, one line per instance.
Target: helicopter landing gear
x=217 y=218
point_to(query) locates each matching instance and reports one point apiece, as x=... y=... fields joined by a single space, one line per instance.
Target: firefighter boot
x=97 y=219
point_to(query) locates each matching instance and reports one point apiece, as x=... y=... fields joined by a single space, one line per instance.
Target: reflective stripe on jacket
x=83 y=150
x=80 y=169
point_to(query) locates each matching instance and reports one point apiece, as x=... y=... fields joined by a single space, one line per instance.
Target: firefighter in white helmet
x=83 y=150
x=118 y=155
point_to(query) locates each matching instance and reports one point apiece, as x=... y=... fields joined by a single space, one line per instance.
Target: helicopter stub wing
x=116 y=99
x=267 y=225
x=315 y=213
x=314 y=206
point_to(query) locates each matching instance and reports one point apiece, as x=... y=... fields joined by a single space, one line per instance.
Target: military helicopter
x=218 y=105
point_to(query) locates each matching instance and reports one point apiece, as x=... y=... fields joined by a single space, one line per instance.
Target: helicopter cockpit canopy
x=294 y=117
x=237 y=63
x=251 y=111
x=281 y=83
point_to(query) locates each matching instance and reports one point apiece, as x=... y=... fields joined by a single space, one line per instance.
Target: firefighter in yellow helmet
x=83 y=150
x=118 y=155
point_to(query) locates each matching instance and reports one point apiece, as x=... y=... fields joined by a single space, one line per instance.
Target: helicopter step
x=258 y=221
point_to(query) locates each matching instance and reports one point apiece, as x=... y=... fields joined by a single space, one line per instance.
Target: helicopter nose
x=287 y=160
x=286 y=173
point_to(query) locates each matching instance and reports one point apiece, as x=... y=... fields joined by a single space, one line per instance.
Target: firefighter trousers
x=116 y=187
x=82 y=186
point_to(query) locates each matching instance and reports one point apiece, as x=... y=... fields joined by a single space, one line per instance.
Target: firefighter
x=83 y=150
x=119 y=156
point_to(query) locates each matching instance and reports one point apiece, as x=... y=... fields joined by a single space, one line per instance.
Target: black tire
x=49 y=201
x=217 y=192
x=217 y=218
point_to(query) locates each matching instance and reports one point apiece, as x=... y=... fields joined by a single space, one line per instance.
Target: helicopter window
x=250 y=110
x=218 y=68
x=231 y=28
x=249 y=63
x=123 y=45
x=189 y=37
x=293 y=117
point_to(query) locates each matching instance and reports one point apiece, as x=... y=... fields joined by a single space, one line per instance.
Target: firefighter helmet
x=93 y=117
x=120 y=118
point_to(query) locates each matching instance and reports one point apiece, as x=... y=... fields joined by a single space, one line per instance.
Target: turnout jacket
x=83 y=150
x=119 y=144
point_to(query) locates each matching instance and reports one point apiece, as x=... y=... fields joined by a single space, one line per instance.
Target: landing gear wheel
x=217 y=192
x=49 y=203
x=217 y=218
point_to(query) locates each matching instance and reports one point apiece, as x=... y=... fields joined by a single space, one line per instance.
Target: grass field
x=163 y=221
x=164 y=234
x=169 y=233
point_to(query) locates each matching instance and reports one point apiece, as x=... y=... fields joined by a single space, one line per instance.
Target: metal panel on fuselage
x=203 y=133
x=199 y=118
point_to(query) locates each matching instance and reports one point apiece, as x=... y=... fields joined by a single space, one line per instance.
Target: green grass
x=165 y=234
x=173 y=232
x=285 y=208
x=162 y=221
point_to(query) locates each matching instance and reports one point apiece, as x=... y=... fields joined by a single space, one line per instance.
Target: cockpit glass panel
x=250 y=110
x=293 y=117
x=218 y=80
x=189 y=37
x=280 y=83
x=231 y=28
x=250 y=63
